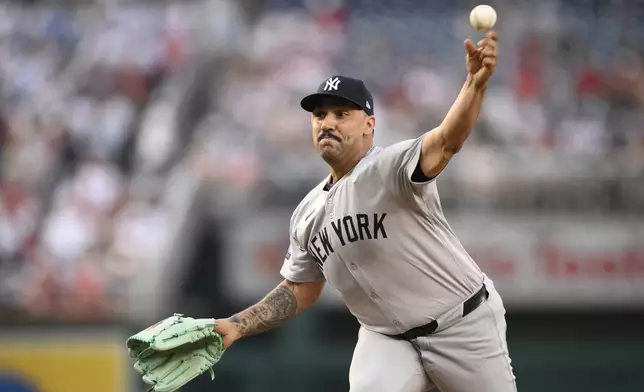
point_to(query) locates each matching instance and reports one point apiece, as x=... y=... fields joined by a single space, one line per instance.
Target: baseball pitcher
x=374 y=229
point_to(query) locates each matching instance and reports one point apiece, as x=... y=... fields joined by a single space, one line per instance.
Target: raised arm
x=448 y=138
x=283 y=303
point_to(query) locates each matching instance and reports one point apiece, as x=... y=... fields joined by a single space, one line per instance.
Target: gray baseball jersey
x=383 y=242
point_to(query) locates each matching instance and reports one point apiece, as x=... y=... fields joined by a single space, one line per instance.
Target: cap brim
x=310 y=102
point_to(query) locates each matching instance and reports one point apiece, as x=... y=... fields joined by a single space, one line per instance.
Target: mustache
x=328 y=134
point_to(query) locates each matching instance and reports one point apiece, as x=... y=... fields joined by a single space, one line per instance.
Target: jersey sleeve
x=299 y=266
x=398 y=166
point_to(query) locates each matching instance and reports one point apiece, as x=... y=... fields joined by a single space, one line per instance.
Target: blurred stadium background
x=152 y=153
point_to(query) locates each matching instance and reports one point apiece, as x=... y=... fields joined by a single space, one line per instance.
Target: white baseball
x=483 y=17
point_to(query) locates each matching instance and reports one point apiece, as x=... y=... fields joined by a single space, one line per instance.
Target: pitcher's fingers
x=487 y=52
x=492 y=35
x=470 y=48
x=489 y=62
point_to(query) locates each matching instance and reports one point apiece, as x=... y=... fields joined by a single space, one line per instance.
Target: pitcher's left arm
x=440 y=144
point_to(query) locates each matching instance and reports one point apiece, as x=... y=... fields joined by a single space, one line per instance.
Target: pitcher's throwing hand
x=481 y=58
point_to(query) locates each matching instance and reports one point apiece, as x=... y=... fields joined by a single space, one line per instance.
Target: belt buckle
x=413 y=333
x=422 y=330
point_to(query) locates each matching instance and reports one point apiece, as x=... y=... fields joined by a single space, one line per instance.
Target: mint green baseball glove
x=174 y=351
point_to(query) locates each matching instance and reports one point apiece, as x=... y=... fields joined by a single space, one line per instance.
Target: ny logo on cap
x=332 y=84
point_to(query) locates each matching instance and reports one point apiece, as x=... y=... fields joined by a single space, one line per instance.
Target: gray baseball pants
x=464 y=354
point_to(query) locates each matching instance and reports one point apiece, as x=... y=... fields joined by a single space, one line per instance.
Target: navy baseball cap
x=343 y=87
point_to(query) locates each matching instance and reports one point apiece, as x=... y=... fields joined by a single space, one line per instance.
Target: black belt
x=468 y=307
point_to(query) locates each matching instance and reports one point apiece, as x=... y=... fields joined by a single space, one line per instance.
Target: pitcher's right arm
x=283 y=303
x=302 y=285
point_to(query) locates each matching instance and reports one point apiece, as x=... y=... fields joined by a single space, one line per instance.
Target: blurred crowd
x=76 y=220
x=80 y=114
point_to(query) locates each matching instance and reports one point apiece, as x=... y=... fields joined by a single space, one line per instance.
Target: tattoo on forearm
x=279 y=306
